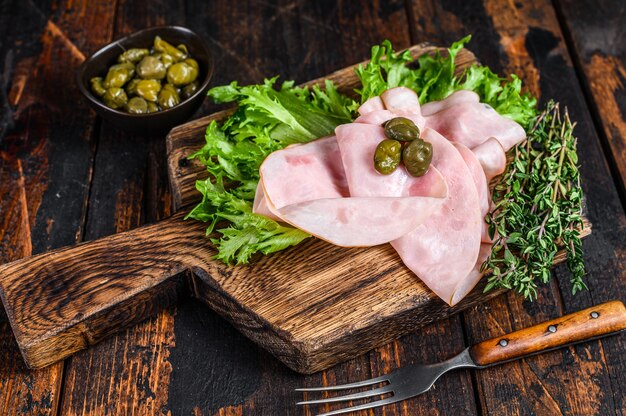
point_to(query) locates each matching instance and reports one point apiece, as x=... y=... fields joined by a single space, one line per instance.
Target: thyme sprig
x=538 y=209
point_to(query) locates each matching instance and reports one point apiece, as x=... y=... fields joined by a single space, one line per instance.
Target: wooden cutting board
x=312 y=305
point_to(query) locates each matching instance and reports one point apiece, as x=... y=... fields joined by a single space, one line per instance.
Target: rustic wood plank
x=599 y=56
x=596 y=32
x=45 y=161
x=129 y=373
x=524 y=37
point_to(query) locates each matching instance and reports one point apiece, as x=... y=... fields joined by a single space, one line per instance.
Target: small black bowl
x=98 y=64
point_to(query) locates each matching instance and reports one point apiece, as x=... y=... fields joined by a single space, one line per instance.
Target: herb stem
x=543 y=208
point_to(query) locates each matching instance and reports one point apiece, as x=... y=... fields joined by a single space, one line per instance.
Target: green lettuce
x=267 y=119
x=433 y=79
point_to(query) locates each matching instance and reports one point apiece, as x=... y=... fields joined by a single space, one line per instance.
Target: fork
x=589 y=324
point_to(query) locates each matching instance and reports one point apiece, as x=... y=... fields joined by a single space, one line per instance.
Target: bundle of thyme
x=538 y=209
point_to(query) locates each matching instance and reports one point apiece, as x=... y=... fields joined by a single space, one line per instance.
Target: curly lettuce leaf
x=267 y=119
x=433 y=79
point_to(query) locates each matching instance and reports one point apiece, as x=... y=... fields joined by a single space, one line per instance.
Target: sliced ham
x=444 y=250
x=260 y=204
x=482 y=187
x=466 y=120
x=459 y=97
x=401 y=98
x=492 y=157
x=467 y=284
x=373 y=104
x=377 y=117
x=305 y=186
x=395 y=102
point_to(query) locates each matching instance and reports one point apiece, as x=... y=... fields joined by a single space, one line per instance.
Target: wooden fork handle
x=591 y=323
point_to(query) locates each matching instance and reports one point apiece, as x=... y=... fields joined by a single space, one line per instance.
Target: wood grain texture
x=45 y=160
x=215 y=370
x=524 y=37
x=593 y=30
x=597 y=321
x=596 y=31
x=129 y=372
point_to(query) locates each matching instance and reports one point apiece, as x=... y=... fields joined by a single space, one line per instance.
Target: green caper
x=162 y=46
x=137 y=105
x=401 y=128
x=189 y=90
x=152 y=107
x=387 y=156
x=151 y=67
x=97 y=87
x=181 y=74
x=195 y=67
x=183 y=48
x=417 y=156
x=148 y=89
x=115 y=98
x=168 y=97
x=133 y=55
x=119 y=75
x=168 y=60
x=131 y=87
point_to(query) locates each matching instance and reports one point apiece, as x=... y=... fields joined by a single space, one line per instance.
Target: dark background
x=65 y=177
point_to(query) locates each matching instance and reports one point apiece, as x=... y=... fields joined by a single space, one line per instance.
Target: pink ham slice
x=260 y=204
x=467 y=284
x=444 y=250
x=305 y=186
x=459 y=97
x=482 y=187
x=373 y=104
x=357 y=143
x=395 y=102
x=462 y=118
x=492 y=157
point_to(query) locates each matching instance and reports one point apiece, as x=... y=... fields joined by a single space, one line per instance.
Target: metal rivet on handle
x=594 y=314
x=552 y=328
x=503 y=342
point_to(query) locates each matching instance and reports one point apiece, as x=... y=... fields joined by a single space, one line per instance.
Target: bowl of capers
x=150 y=81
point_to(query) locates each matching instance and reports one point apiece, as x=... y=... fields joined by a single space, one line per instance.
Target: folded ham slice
x=482 y=186
x=492 y=157
x=395 y=102
x=462 y=118
x=305 y=186
x=444 y=250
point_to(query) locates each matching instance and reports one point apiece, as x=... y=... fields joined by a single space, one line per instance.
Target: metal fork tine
x=370 y=405
x=354 y=396
x=347 y=386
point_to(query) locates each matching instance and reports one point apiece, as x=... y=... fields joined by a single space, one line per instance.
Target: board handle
x=591 y=323
x=62 y=301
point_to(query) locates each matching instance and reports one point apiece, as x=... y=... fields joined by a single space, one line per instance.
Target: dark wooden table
x=65 y=177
